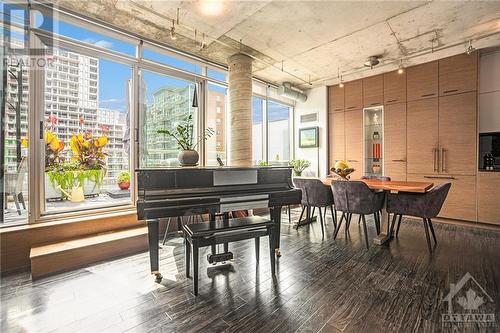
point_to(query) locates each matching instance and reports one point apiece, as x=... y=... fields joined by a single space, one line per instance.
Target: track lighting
x=401 y=69
x=173 y=36
x=341 y=84
x=469 y=48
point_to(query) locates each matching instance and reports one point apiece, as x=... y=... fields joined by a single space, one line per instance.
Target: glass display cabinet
x=373 y=148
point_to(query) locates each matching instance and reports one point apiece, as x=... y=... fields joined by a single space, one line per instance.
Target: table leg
x=383 y=237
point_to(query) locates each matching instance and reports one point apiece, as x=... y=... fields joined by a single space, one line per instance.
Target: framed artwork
x=309 y=137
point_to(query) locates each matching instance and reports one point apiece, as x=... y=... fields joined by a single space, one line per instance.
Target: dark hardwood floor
x=322 y=285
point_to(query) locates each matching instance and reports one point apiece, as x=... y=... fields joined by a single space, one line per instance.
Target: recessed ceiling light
x=211 y=7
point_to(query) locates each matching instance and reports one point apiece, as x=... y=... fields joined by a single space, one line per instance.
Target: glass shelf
x=373 y=148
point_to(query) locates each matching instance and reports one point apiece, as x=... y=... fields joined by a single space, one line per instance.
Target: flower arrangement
x=299 y=166
x=53 y=150
x=88 y=151
x=183 y=134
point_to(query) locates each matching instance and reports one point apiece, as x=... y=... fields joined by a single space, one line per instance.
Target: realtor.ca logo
x=469 y=305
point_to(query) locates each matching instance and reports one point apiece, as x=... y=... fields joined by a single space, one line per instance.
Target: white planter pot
x=51 y=193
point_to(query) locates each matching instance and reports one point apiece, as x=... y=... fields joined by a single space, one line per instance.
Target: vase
x=188 y=157
x=297 y=173
x=124 y=185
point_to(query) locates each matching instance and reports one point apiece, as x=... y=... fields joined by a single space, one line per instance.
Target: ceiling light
x=469 y=48
x=211 y=7
x=341 y=84
x=401 y=69
x=372 y=61
x=173 y=36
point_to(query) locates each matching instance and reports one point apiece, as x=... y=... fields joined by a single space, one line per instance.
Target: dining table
x=390 y=186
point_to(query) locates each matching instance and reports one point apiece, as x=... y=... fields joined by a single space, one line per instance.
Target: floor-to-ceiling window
x=215 y=119
x=279 y=132
x=258 y=105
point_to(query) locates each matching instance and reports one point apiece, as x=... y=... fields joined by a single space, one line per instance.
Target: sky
x=113 y=76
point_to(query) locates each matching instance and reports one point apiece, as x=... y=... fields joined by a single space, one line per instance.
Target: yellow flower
x=73 y=143
x=101 y=142
x=49 y=137
x=24 y=142
x=54 y=145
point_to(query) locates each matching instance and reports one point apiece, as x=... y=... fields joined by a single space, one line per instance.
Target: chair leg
x=334 y=217
x=321 y=221
x=257 y=249
x=336 y=231
x=432 y=230
x=348 y=222
x=195 y=268
x=359 y=219
x=377 y=222
x=16 y=201
x=324 y=215
x=21 y=199
x=166 y=232
x=365 y=231
x=391 y=232
x=271 y=252
x=399 y=224
x=312 y=213
x=427 y=235
x=289 y=214
x=187 y=256
x=302 y=213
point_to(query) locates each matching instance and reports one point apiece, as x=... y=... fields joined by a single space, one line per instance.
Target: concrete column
x=240 y=110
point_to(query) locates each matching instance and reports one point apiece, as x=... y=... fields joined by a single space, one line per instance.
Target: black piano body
x=175 y=192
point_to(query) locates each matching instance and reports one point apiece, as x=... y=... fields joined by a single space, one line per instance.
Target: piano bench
x=223 y=232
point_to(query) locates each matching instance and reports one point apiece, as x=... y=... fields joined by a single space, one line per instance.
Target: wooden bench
x=223 y=232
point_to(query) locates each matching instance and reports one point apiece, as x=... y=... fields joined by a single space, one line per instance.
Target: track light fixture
x=173 y=36
x=401 y=68
x=469 y=48
x=341 y=84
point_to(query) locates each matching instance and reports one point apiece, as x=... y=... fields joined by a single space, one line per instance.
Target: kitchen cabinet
x=395 y=141
x=336 y=138
x=394 y=87
x=373 y=91
x=457 y=134
x=488 y=197
x=422 y=136
x=422 y=81
x=335 y=99
x=354 y=141
x=460 y=204
x=353 y=95
x=458 y=74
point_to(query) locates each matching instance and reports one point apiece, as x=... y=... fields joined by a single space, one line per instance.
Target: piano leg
x=275 y=213
x=195 y=267
x=213 y=217
x=153 y=239
x=187 y=256
x=272 y=234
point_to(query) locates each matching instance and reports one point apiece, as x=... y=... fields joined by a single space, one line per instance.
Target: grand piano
x=175 y=192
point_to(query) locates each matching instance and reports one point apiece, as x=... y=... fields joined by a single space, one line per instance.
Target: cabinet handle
x=377 y=103
x=449 y=91
x=439 y=177
x=443 y=160
x=434 y=151
x=351 y=160
x=350 y=107
x=399 y=160
x=427 y=95
x=392 y=100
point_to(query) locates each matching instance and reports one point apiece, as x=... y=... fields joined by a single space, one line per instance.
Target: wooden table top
x=393 y=185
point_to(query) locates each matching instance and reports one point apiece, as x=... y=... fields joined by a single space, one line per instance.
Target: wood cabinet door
x=460 y=204
x=336 y=138
x=353 y=95
x=422 y=136
x=458 y=74
x=335 y=99
x=395 y=141
x=354 y=141
x=394 y=87
x=457 y=134
x=488 y=197
x=373 y=91
x=422 y=81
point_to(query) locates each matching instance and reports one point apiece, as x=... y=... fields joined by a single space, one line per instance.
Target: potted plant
x=299 y=166
x=183 y=135
x=123 y=180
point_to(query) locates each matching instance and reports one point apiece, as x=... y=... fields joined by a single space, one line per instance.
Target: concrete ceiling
x=310 y=40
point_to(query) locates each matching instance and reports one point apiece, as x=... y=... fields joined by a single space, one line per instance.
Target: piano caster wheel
x=158 y=277
x=277 y=252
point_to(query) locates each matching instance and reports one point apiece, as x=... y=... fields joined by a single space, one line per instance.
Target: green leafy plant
x=183 y=134
x=70 y=174
x=123 y=177
x=299 y=166
x=263 y=163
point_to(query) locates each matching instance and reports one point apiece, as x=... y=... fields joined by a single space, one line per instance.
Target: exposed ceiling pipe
x=288 y=91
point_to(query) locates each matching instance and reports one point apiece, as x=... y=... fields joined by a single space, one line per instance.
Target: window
x=165 y=59
x=216 y=75
x=279 y=130
x=82 y=158
x=257 y=129
x=215 y=115
x=165 y=102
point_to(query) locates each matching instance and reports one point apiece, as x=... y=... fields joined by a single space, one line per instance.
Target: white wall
x=317 y=102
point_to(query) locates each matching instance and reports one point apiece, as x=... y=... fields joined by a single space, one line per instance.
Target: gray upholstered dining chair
x=377 y=214
x=355 y=197
x=315 y=195
x=423 y=205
